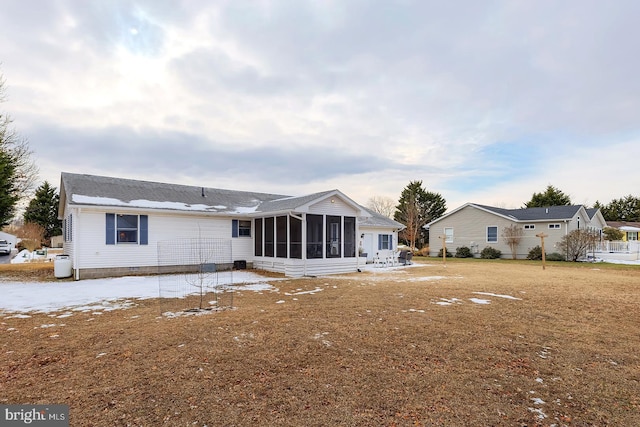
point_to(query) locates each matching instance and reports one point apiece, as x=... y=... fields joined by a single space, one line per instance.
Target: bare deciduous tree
x=576 y=244
x=512 y=236
x=383 y=205
x=411 y=219
x=32 y=235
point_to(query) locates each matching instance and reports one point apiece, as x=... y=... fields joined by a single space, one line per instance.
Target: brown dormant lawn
x=472 y=343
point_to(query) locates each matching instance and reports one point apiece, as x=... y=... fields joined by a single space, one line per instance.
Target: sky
x=484 y=102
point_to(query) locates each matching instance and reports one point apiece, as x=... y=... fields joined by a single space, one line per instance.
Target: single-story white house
x=477 y=226
x=112 y=227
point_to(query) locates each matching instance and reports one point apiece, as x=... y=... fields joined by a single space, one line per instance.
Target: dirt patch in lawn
x=472 y=343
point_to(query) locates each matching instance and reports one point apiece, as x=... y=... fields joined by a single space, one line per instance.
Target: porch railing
x=616 y=246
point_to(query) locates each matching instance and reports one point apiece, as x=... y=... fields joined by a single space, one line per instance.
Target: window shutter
x=111 y=229
x=390 y=242
x=379 y=241
x=234 y=228
x=144 y=229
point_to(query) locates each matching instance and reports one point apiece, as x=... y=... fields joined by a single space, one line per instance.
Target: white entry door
x=367 y=246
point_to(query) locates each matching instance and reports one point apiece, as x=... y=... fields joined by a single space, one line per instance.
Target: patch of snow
x=316 y=290
x=97 y=294
x=154 y=204
x=541 y=415
x=497 y=295
x=537 y=401
x=480 y=301
x=280 y=302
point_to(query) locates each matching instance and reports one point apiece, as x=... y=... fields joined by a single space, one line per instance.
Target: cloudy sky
x=483 y=101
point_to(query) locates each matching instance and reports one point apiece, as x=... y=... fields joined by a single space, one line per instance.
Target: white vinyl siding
x=93 y=252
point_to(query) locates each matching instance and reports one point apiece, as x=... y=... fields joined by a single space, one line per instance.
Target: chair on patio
x=404 y=257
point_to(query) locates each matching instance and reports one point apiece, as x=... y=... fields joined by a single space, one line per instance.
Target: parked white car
x=5 y=247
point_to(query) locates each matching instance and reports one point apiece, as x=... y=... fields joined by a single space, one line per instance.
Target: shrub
x=422 y=252
x=490 y=253
x=463 y=252
x=449 y=254
x=535 y=254
x=555 y=256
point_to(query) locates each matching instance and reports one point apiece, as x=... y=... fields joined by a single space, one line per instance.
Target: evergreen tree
x=622 y=209
x=18 y=172
x=550 y=197
x=416 y=208
x=43 y=210
x=8 y=193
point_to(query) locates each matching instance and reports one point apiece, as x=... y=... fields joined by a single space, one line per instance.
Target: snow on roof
x=142 y=203
x=106 y=191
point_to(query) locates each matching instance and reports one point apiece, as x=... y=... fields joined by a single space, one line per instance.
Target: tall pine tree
x=8 y=194
x=416 y=208
x=43 y=210
x=550 y=197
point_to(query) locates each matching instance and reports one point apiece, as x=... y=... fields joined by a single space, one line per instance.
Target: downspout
x=76 y=236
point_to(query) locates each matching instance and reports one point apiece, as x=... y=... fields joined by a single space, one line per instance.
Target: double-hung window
x=123 y=229
x=385 y=241
x=448 y=235
x=240 y=228
x=492 y=234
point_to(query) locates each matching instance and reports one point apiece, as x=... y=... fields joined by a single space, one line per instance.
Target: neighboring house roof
x=92 y=190
x=624 y=225
x=377 y=220
x=551 y=213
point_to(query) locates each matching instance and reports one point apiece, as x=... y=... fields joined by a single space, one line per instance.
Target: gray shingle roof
x=536 y=214
x=288 y=203
x=99 y=190
x=82 y=189
x=378 y=220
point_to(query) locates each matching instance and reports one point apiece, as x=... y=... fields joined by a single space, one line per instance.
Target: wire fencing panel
x=195 y=274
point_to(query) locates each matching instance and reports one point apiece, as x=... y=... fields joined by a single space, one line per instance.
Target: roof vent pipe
x=203 y=192
x=547 y=210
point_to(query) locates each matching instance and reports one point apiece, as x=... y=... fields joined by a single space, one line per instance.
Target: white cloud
x=486 y=106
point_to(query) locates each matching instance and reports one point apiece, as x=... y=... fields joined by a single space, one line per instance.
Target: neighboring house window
x=492 y=234
x=385 y=241
x=127 y=229
x=529 y=226
x=554 y=226
x=448 y=235
x=632 y=235
x=240 y=228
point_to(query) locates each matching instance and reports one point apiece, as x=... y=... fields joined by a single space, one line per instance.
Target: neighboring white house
x=112 y=226
x=477 y=226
